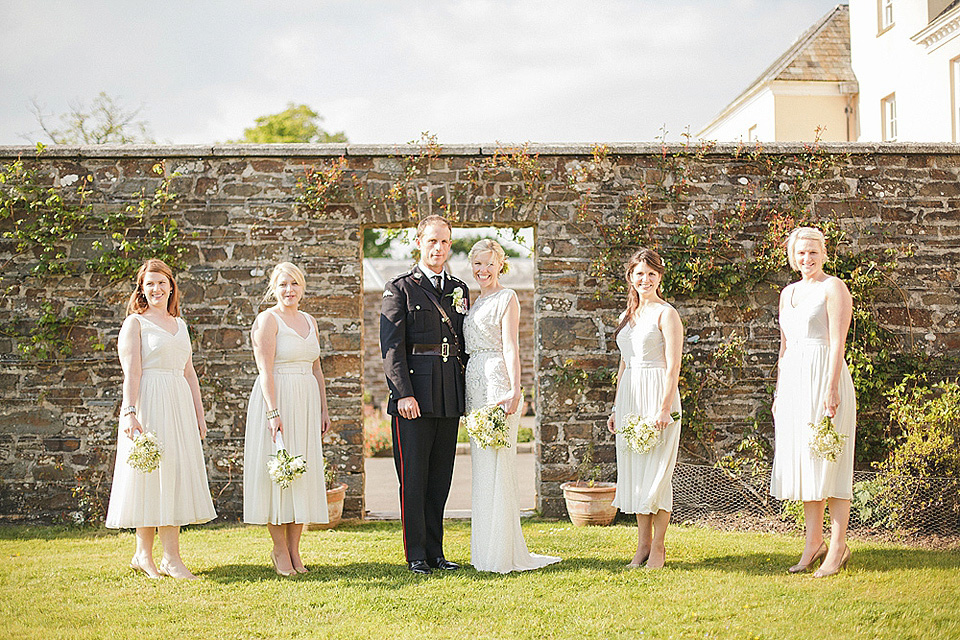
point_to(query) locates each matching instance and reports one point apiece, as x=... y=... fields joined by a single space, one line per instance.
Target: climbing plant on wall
x=716 y=252
x=45 y=220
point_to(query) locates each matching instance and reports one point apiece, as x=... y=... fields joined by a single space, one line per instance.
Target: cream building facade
x=872 y=71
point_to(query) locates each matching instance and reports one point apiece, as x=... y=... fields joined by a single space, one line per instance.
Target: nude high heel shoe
x=819 y=555
x=285 y=574
x=820 y=573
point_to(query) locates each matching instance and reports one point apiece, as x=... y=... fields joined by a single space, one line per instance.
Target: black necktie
x=437 y=283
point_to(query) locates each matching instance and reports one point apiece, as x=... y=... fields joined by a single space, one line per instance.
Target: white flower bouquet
x=283 y=467
x=826 y=442
x=146 y=452
x=488 y=426
x=642 y=434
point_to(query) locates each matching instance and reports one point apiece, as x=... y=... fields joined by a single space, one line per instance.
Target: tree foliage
x=104 y=121
x=296 y=123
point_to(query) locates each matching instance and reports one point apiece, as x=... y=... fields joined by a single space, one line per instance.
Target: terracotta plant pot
x=590 y=505
x=334 y=508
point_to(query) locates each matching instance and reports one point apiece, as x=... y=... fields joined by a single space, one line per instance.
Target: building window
x=884 y=15
x=752 y=134
x=888 y=110
x=955 y=96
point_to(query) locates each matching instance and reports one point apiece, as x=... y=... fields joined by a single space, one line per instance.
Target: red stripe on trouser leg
x=403 y=528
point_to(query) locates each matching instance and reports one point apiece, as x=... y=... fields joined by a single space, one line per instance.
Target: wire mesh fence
x=905 y=504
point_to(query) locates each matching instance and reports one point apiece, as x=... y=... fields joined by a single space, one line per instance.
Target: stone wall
x=238 y=213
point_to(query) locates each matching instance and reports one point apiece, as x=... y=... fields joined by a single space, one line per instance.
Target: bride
x=493 y=377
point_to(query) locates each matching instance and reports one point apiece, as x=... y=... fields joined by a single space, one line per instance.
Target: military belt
x=442 y=349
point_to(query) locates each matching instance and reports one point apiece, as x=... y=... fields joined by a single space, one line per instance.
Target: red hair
x=138 y=301
x=643 y=256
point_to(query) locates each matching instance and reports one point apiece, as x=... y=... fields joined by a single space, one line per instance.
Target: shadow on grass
x=878 y=560
x=55 y=532
x=392 y=575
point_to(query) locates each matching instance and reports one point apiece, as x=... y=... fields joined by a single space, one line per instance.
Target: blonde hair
x=284 y=268
x=138 y=302
x=486 y=245
x=804 y=233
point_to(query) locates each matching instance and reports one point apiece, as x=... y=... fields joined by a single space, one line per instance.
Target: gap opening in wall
x=387 y=254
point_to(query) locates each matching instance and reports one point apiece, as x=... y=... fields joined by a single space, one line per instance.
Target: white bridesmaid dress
x=802 y=383
x=298 y=399
x=176 y=493
x=645 y=481
x=496 y=539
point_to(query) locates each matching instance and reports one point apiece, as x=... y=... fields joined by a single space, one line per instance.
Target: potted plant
x=589 y=502
x=335 y=494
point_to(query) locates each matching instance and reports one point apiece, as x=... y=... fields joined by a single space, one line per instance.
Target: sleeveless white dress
x=802 y=382
x=298 y=399
x=176 y=493
x=496 y=540
x=645 y=481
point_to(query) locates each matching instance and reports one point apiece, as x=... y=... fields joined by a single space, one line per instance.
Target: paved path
x=383 y=499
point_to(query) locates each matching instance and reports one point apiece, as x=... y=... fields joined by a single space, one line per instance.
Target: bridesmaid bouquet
x=285 y=468
x=488 y=426
x=826 y=442
x=642 y=435
x=145 y=455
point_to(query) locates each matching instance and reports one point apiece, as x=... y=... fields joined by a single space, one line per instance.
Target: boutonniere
x=458 y=301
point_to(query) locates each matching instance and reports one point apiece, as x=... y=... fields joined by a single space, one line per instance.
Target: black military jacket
x=410 y=322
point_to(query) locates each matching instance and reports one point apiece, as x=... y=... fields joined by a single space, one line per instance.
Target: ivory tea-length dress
x=176 y=493
x=496 y=540
x=298 y=399
x=645 y=481
x=802 y=383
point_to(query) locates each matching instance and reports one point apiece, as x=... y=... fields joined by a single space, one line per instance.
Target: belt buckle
x=445 y=350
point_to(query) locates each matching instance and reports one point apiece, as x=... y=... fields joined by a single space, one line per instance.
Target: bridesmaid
x=161 y=395
x=815 y=315
x=650 y=338
x=288 y=398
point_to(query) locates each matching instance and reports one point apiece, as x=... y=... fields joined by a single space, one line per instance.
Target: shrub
x=918 y=485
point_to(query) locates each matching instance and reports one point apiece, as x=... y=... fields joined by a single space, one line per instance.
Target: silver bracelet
x=128 y=410
x=273 y=413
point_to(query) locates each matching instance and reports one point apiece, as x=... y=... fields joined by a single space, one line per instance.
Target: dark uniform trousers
x=423 y=357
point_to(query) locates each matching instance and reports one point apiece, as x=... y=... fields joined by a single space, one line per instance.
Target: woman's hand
x=202 y=425
x=663 y=420
x=132 y=425
x=510 y=405
x=276 y=426
x=324 y=422
x=612 y=423
x=831 y=402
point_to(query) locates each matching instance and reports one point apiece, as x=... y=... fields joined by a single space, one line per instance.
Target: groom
x=421 y=329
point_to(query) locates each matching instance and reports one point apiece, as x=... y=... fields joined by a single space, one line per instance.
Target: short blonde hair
x=804 y=233
x=486 y=245
x=284 y=268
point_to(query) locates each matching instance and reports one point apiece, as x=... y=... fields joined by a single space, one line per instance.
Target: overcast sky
x=467 y=71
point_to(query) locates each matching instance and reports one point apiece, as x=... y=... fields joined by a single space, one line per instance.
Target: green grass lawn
x=65 y=583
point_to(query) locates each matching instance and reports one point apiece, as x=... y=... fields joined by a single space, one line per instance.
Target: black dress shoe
x=419 y=567
x=443 y=563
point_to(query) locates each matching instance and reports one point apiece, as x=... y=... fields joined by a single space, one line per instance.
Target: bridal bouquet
x=826 y=442
x=488 y=426
x=145 y=455
x=642 y=435
x=285 y=468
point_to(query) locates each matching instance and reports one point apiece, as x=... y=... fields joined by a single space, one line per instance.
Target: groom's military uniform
x=421 y=341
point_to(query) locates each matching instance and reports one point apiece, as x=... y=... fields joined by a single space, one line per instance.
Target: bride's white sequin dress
x=496 y=540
